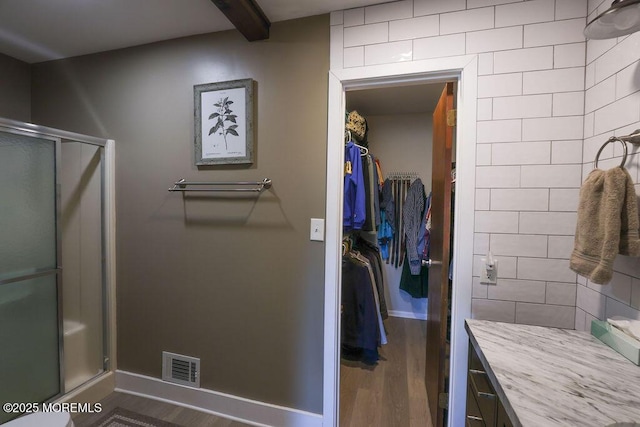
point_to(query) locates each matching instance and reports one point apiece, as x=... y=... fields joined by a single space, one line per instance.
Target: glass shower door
x=29 y=273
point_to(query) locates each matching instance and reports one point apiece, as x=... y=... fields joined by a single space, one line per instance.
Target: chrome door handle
x=429 y=262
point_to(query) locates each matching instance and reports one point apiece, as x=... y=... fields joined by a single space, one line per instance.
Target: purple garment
x=354 y=189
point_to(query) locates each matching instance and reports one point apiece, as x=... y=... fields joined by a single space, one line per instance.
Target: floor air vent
x=180 y=369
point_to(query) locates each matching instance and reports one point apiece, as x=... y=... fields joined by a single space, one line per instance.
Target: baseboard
x=216 y=403
x=408 y=314
x=93 y=391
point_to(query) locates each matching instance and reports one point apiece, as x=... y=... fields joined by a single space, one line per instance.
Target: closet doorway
x=409 y=135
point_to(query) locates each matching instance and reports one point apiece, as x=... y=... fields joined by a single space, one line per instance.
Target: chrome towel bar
x=259 y=186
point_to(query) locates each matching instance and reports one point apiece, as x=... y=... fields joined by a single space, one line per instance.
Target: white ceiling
x=397 y=99
x=41 y=30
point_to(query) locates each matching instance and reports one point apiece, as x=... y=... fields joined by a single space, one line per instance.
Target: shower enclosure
x=54 y=262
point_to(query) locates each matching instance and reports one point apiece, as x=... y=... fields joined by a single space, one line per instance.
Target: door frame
x=463 y=70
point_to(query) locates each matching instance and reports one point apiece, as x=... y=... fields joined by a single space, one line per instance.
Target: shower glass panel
x=82 y=255
x=29 y=316
x=29 y=335
x=28 y=210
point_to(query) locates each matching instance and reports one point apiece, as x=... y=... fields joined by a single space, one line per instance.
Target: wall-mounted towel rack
x=259 y=186
x=633 y=138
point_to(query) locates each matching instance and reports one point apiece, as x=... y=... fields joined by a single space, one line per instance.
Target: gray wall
x=15 y=89
x=234 y=282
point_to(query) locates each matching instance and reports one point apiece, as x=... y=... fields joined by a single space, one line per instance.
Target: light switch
x=317 y=229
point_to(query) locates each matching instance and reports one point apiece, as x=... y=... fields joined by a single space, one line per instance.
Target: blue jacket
x=354 y=190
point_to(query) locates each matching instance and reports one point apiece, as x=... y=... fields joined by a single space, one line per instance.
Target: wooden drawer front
x=503 y=419
x=474 y=360
x=482 y=390
x=474 y=416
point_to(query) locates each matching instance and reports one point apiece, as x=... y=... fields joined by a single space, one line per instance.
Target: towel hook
x=613 y=139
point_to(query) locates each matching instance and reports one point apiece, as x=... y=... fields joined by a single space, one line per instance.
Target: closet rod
x=182 y=185
x=402 y=175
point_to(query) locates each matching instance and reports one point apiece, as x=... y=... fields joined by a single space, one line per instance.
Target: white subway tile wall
x=414 y=28
x=552 y=33
x=437 y=47
x=569 y=55
x=567 y=151
x=528 y=106
x=568 y=104
x=518 y=290
x=388 y=52
x=494 y=40
x=388 y=12
x=547 y=100
x=529 y=12
x=567 y=9
x=557 y=316
x=535 y=58
x=619 y=288
x=560 y=246
x=561 y=294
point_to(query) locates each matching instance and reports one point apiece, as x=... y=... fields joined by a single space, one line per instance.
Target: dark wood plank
x=395 y=410
x=247 y=17
x=419 y=414
x=392 y=393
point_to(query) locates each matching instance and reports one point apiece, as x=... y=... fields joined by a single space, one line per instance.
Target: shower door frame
x=107 y=171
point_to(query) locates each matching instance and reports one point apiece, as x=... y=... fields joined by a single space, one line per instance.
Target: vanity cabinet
x=532 y=376
x=484 y=408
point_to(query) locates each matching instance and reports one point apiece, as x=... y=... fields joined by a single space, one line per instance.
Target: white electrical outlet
x=489 y=272
x=317 y=229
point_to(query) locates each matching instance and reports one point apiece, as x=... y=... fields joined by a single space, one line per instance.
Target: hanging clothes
x=415 y=285
x=354 y=214
x=377 y=188
x=424 y=236
x=372 y=253
x=368 y=168
x=376 y=297
x=387 y=204
x=360 y=331
x=363 y=306
x=387 y=215
x=412 y=215
x=385 y=236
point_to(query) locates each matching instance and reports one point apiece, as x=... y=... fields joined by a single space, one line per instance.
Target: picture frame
x=224 y=123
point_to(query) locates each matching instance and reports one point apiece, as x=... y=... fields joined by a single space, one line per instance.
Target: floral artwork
x=222 y=116
x=224 y=123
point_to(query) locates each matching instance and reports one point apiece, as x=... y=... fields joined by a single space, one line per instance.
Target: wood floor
x=156 y=409
x=393 y=392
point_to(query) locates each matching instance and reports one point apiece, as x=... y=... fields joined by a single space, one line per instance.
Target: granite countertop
x=556 y=377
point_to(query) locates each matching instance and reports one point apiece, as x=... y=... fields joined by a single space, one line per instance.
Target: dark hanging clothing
x=373 y=255
x=360 y=328
x=412 y=216
x=417 y=286
x=367 y=174
x=387 y=204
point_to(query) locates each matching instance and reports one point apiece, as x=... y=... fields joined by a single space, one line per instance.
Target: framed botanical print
x=224 y=122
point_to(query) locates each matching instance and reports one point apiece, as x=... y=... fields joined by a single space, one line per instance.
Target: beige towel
x=607 y=224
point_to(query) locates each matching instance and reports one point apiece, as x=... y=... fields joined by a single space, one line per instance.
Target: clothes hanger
x=363 y=150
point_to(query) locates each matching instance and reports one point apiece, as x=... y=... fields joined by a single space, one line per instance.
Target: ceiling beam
x=247 y=17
